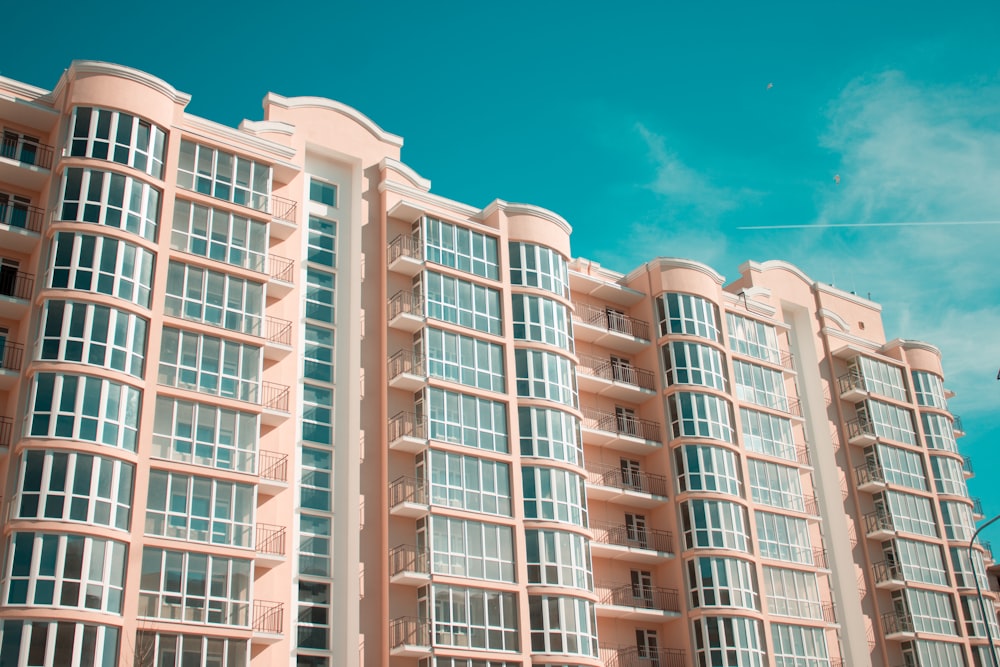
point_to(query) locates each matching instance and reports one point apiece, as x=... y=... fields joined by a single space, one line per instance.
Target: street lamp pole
x=979 y=592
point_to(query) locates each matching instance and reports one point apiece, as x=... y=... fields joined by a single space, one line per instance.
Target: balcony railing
x=633 y=656
x=829 y=612
x=611 y=320
x=283 y=209
x=860 y=426
x=281 y=268
x=869 y=473
x=608 y=369
x=884 y=571
x=29 y=153
x=408 y=558
x=621 y=424
x=17 y=285
x=977 y=506
x=268 y=617
x=6 y=430
x=642 y=597
x=405 y=245
x=278 y=331
x=878 y=521
x=11 y=356
x=22 y=216
x=274 y=396
x=409 y=631
x=631 y=536
x=405 y=361
x=272 y=466
x=956 y=424
x=893 y=622
x=407 y=490
x=407 y=424
x=626 y=479
x=270 y=539
x=820 y=558
x=967 y=465
x=852 y=379
x=405 y=303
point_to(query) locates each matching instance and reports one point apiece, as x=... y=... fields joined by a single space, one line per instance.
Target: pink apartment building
x=267 y=400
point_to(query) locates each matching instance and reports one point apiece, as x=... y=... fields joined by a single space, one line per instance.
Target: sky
x=655 y=128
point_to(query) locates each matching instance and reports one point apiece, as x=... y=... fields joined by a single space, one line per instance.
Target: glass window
x=959 y=525
x=968 y=568
x=316 y=487
x=200 y=509
x=119 y=137
x=460 y=248
x=759 y=385
x=558 y=558
x=722 y=582
x=920 y=561
x=973 y=617
x=205 y=435
x=902 y=467
x=931 y=611
x=468 y=482
x=889 y=421
x=767 y=434
x=562 y=625
x=726 y=641
x=323 y=193
x=462 y=302
x=465 y=420
x=949 y=476
x=80 y=407
x=911 y=514
x=315 y=545
x=554 y=495
x=753 y=338
x=782 y=537
x=707 y=468
x=550 y=434
x=693 y=363
x=776 y=485
x=219 y=235
x=208 y=364
x=320 y=292
x=939 y=432
x=317 y=414
x=103 y=265
x=929 y=390
x=463 y=359
x=322 y=241
x=881 y=378
x=314 y=618
x=317 y=355
x=37 y=643
x=537 y=266
x=714 y=524
x=798 y=646
x=687 y=314
x=792 y=593
x=541 y=320
x=473 y=617
x=700 y=416
x=214 y=298
x=474 y=549
x=114 y=200
x=93 y=334
x=545 y=375
x=194 y=587
x=160 y=648
x=939 y=654
x=224 y=176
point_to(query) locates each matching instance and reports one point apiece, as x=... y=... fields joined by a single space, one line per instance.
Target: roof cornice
x=337 y=107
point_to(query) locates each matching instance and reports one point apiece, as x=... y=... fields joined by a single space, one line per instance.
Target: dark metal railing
x=405 y=245
x=278 y=331
x=407 y=424
x=616 y=371
x=408 y=558
x=967 y=465
x=829 y=612
x=820 y=558
x=270 y=539
x=283 y=209
x=407 y=489
x=22 y=216
x=630 y=536
x=878 y=521
x=11 y=356
x=893 y=622
x=405 y=303
x=988 y=547
x=860 y=426
x=274 y=396
x=642 y=597
x=956 y=424
x=977 y=506
x=852 y=379
x=272 y=466
x=802 y=455
x=405 y=361
x=268 y=617
x=626 y=479
x=280 y=268
x=634 y=656
x=18 y=285
x=869 y=472
x=31 y=153
x=6 y=430
x=621 y=424
x=409 y=631
x=884 y=571
x=611 y=320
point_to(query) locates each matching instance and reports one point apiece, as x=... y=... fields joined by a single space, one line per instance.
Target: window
x=219 y=235
x=465 y=420
x=753 y=338
x=707 y=468
x=73 y=486
x=688 y=315
x=545 y=375
x=781 y=537
x=798 y=646
x=920 y=561
x=700 y=416
x=550 y=434
x=693 y=363
x=320 y=292
x=911 y=514
x=224 y=176
x=205 y=435
x=767 y=434
x=776 y=485
x=37 y=643
x=474 y=549
x=114 y=200
x=322 y=193
x=473 y=618
x=462 y=302
x=726 y=641
x=939 y=432
x=103 y=265
x=714 y=524
x=80 y=407
x=16 y=211
x=211 y=365
x=317 y=363
x=541 y=320
x=160 y=648
x=119 y=137
x=722 y=582
x=314 y=545
x=938 y=654
x=554 y=495
x=317 y=414
x=93 y=334
x=194 y=588
x=322 y=242
x=881 y=378
x=562 y=625
x=959 y=525
x=902 y=467
x=314 y=616
x=537 y=266
x=949 y=477
x=931 y=611
x=72 y=571
x=973 y=616
x=929 y=390
x=463 y=359
x=316 y=487
x=792 y=593
x=968 y=569
x=460 y=248
x=888 y=421
x=469 y=483
x=214 y=298
x=200 y=509
x=558 y=558
x=759 y=385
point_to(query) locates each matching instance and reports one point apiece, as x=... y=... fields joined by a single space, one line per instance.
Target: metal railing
x=869 y=472
x=31 y=153
x=405 y=361
x=405 y=245
x=283 y=209
x=618 y=372
x=631 y=536
x=956 y=424
x=860 y=426
x=611 y=320
x=272 y=466
x=274 y=396
x=6 y=430
x=967 y=465
x=977 y=506
x=852 y=379
x=634 y=656
x=278 y=331
x=802 y=455
x=280 y=268
x=407 y=424
x=820 y=559
x=270 y=539
x=408 y=558
x=268 y=617
x=811 y=505
x=626 y=479
x=829 y=612
x=405 y=303
x=893 y=622
x=621 y=424
x=884 y=571
x=22 y=216
x=11 y=356
x=18 y=285
x=988 y=547
x=409 y=631
x=641 y=597
x=875 y=521
x=407 y=489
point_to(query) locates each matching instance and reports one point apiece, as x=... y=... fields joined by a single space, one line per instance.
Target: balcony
x=269 y=541
x=278 y=334
x=879 y=526
x=609 y=328
x=20 y=226
x=405 y=255
x=407 y=370
x=6 y=431
x=621 y=432
x=897 y=625
x=283 y=217
x=410 y=637
x=987 y=547
x=820 y=559
x=870 y=477
x=406 y=311
x=11 y=357
x=268 y=621
x=24 y=163
x=958 y=427
x=637 y=603
x=967 y=468
x=272 y=471
x=16 y=290
x=408 y=497
x=861 y=432
x=852 y=386
x=625 y=486
x=888 y=575
x=633 y=656
x=282 y=275
x=631 y=543
x=407 y=433
x=829 y=612
x=614 y=379
x=409 y=565
x=977 y=509
x=275 y=399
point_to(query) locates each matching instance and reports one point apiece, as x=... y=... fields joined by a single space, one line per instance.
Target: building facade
x=267 y=400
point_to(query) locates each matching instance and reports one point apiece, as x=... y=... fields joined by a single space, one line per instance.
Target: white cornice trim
x=32 y=93
x=853 y=340
x=195 y=124
x=512 y=208
x=427 y=199
x=801 y=275
x=677 y=262
x=98 y=67
x=273 y=126
x=337 y=107
x=406 y=170
x=908 y=344
x=837 y=319
x=847 y=296
x=747 y=296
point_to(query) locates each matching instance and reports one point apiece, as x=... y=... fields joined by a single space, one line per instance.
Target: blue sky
x=650 y=127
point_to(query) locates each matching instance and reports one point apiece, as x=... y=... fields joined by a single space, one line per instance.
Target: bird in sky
x=836 y=179
x=770 y=86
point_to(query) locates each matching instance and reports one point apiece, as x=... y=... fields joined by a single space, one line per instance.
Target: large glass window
x=763 y=386
x=693 y=363
x=196 y=588
x=214 y=298
x=93 y=334
x=474 y=618
x=469 y=483
x=714 y=524
x=208 y=364
x=64 y=643
x=460 y=248
x=792 y=593
x=219 y=235
x=550 y=434
x=931 y=611
x=314 y=618
x=114 y=200
x=160 y=648
x=545 y=375
x=470 y=361
x=973 y=616
x=541 y=320
x=889 y=421
x=320 y=293
x=959 y=524
x=968 y=568
x=317 y=354
x=558 y=558
x=776 y=485
x=782 y=537
x=119 y=137
x=200 y=509
x=554 y=495
x=753 y=338
x=73 y=486
x=700 y=416
x=322 y=241
x=920 y=561
x=315 y=550
x=929 y=390
x=316 y=488
x=882 y=378
x=767 y=434
x=687 y=314
x=562 y=625
x=708 y=468
x=55 y=570
x=537 y=266
x=799 y=646
x=103 y=265
x=725 y=641
x=466 y=420
x=80 y=407
x=939 y=432
x=902 y=467
x=949 y=476
x=224 y=176
x=722 y=582
x=474 y=549
x=317 y=414
x=911 y=514
x=205 y=435
x=462 y=302
x=939 y=654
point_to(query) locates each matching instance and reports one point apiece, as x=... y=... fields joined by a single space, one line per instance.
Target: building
x=268 y=400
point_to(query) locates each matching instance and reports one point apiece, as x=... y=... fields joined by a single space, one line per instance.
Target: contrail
x=876 y=224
